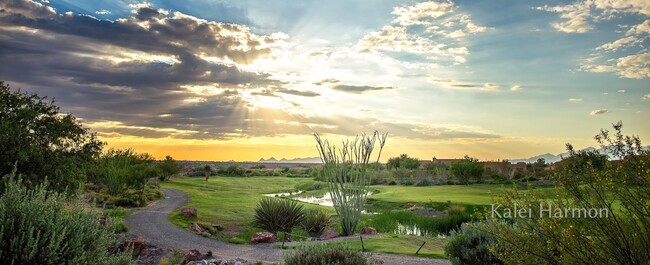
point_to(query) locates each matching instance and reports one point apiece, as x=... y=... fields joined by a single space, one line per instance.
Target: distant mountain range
x=550 y=158
x=305 y=160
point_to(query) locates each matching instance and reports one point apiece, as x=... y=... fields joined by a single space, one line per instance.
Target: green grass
x=402 y=245
x=230 y=201
x=478 y=194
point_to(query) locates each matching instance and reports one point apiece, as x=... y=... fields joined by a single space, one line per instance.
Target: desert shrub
x=41 y=227
x=317 y=254
x=469 y=245
x=310 y=186
x=424 y=181
x=119 y=227
x=316 y=221
x=278 y=215
x=403 y=161
x=403 y=175
x=466 y=169
x=455 y=209
x=620 y=192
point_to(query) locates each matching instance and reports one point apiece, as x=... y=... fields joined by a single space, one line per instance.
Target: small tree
x=346 y=172
x=169 y=167
x=467 y=168
x=207 y=170
x=403 y=161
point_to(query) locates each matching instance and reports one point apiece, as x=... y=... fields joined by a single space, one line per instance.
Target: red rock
x=264 y=237
x=195 y=227
x=368 y=231
x=329 y=234
x=136 y=244
x=191 y=255
x=102 y=220
x=188 y=212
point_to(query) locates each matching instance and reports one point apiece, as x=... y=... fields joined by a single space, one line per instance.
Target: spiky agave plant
x=346 y=172
x=278 y=215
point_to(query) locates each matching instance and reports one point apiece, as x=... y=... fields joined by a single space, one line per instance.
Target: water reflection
x=284 y=194
x=414 y=230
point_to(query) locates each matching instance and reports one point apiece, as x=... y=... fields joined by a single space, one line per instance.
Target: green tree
x=207 y=170
x=169 y=167
x=466 y=169
x=43 y=142
x=403 y=161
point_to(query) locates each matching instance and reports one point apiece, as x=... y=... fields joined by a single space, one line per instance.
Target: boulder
x=195 y=227
x=264 y=237
x=191 y=255
x=218 y=227
x=410 y=205
x=368 y=231
x=329 y=234
x=102 y=220
x=136 y=244
x=188 y=212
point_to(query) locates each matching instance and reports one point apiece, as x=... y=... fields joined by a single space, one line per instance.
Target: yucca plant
x=278 y=215
x=345 y=170
x=316 y=221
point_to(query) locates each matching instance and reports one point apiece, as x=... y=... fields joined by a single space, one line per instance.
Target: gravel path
x=151 y=224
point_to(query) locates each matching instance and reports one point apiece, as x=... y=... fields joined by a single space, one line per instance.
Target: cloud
x=358 y=89
x=102 y=12
x=516 y=88
x=626 y=56
x=575 y=100
x=490 y=87
x=646 y=97
x=621 y=91
x=599 y=112
x=432 y=30
x=327 y=81
x=298 y=92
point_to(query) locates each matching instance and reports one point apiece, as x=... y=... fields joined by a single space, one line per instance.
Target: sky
x=244 y=80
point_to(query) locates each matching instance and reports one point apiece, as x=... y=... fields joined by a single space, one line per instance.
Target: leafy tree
x=169 y=167
x=207 y=170
x=466 y=169
x=42 y=141
x=619 y=193
x=403 y=161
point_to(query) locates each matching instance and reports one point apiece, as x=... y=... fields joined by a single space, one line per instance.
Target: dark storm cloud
x=358 y=89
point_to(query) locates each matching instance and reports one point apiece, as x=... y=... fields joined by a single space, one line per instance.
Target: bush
x=316 y=221
x=278 y=215
x=455 y=209
x=469 y=245
x=317 y=254
x=40 y=227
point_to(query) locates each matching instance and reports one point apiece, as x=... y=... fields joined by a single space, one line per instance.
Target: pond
x=414 y=230
x=283 y=194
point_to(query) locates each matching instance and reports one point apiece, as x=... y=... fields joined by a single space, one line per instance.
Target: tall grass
x=389 y=222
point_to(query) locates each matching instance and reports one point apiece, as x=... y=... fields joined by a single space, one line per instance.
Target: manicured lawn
x=403 y=245
x=479 y=194
x=230 y=201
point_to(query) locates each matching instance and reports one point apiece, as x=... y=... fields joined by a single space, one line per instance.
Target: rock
x=368 y=231
x=102 y=220
x=264 y=237
x=410 y=205
x=218 y=227
x=188 y=212
x=329 y=234
x=195 y=227
x=191 y=255
x=136 y=244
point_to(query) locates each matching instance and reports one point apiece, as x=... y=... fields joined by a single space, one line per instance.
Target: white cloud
x=433 y=30
x=516 y=88
x=490 y=87
x=575 y=100
x=102 y=12
x=621 y=91
x=646 y=97
x=631 y=57
x=599 y=112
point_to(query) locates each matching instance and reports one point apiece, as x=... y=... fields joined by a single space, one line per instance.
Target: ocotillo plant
x=346 y=172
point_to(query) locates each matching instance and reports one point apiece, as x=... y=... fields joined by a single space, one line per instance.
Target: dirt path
x=151 y=224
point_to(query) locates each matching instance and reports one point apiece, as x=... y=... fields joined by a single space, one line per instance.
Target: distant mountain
x=305 y=160
x=550 y=158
